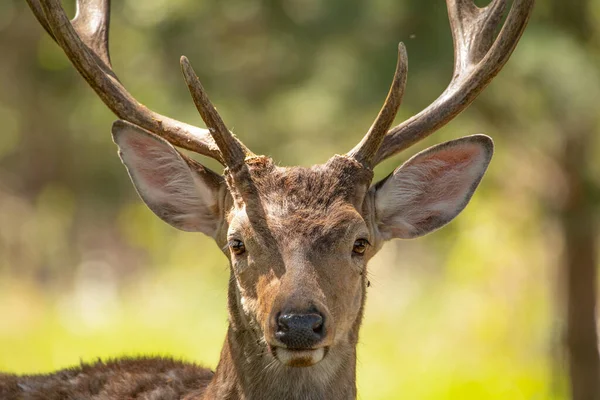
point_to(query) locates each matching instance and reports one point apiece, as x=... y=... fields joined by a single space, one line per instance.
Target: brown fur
x=292 y=218
x=127 y=378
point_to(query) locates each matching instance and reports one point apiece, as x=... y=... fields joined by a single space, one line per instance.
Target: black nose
x=300 y=331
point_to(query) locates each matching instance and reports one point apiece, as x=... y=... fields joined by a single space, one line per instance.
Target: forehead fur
x=322 y=197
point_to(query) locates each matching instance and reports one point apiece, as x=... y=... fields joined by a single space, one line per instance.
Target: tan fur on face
x=299 y=226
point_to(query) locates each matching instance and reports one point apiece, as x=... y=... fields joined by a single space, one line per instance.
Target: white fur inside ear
x=177 y=194
x=430 y=189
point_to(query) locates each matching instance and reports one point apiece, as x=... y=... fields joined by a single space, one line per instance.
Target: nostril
x=317 y=325
x=282 y=322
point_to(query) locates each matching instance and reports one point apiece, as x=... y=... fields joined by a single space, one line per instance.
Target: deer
x=298 y=239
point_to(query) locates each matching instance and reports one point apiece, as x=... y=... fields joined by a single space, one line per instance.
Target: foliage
x=469 y=312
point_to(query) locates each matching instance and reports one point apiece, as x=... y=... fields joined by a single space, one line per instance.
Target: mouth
x=298 y=358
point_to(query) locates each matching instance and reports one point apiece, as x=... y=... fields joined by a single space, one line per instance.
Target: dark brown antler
x=85 y=41
x=232 y=150
x=477 y=60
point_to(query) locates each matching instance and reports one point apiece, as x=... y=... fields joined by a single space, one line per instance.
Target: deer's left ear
x=431 y=188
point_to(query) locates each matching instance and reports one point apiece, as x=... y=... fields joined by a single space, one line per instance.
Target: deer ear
x=182 y=192
x=431 y=188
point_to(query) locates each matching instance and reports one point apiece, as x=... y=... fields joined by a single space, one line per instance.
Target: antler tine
x=233 y=151
x=478 y=59
x=473 y=30
x=366 y=150
x=91 y=21
x=85 y=42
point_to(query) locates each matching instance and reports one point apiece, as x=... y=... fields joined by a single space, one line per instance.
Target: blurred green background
x=474 y=311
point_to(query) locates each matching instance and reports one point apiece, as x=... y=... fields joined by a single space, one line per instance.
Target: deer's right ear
x=180 y=191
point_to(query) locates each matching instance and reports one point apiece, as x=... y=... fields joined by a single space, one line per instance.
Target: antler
x=85 y=41
x=233 y=151
x=477 y=60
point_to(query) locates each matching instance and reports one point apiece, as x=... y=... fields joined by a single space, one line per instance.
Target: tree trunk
x=578 y=225
x=579 y=229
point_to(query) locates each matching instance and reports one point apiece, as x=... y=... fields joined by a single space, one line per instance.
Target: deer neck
x=247 y=371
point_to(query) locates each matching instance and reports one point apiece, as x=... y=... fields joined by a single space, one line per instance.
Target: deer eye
x=360 y=246
x=237 y=247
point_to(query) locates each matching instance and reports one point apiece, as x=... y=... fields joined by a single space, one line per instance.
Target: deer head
x=299 y=239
